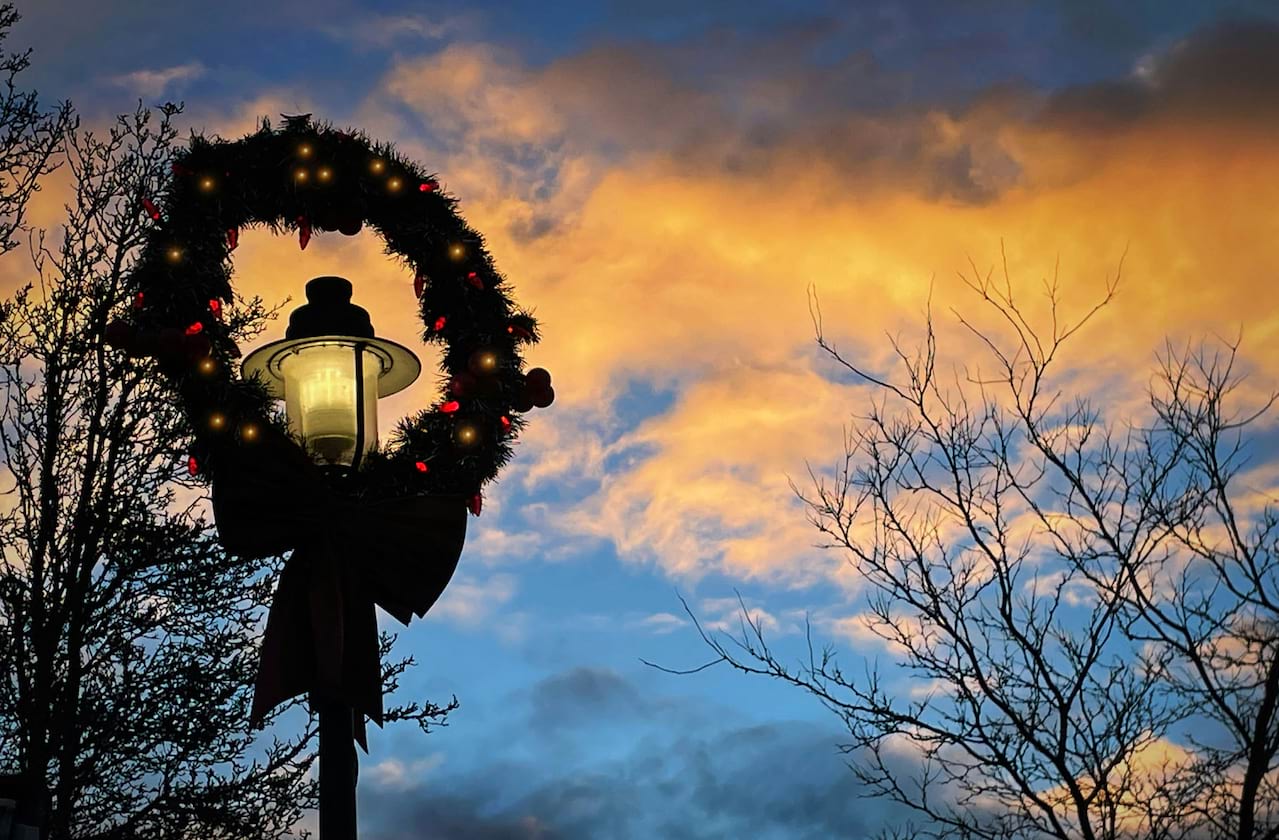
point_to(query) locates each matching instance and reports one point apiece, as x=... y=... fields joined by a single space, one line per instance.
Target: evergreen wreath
x=307 y=177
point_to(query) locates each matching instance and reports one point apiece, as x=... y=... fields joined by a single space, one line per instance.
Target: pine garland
x=307 y=178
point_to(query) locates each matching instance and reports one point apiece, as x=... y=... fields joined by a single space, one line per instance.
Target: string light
x=217 y=421
x=175 y=254
x=207 y=365
x=248 y=432
x=300 y=176
x=466 y=434
x=483 y=362
x=456 y=251
x=377 y=165
x=324 y=174
x=393 y=184
x=206 y=184
x=304 y=150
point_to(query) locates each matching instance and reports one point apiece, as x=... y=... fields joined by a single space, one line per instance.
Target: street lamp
x=330 y=369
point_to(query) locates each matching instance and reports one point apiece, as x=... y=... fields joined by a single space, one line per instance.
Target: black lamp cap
x=328 y=311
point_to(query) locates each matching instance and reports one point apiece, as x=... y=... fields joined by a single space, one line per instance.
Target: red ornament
x=476 y=502
x=137 y=301
x=215 y=306
x=439 y=323
x=539 y=379
x=197 y=346
x=304 y=231
x=350 y=225
x=474 y=280
x=460 y=384
x=419 y=283
x=193 y=466
x=506 y=424
x=422 y=467
x=450 y=406
x=151 y=209
x=169 y=341
x=428 y=186
x=542 y=399
x=232 y=238
x=519 y=332
x=118 y=334
x=195 y=329
x=179 y=169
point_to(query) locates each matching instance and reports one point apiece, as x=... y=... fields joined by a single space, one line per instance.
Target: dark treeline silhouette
x=128 y=637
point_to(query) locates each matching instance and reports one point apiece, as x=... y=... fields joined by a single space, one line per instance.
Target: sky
x=662 y=183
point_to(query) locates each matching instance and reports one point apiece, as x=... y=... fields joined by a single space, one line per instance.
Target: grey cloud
x=1230 y=69
x=678 y=775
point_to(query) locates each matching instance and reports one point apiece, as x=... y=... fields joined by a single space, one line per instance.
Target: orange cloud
x=666 y=233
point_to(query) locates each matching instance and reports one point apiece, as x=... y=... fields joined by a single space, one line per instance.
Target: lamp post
x=330 y=369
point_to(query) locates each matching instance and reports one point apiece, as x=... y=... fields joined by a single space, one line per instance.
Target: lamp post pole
x=339 y=770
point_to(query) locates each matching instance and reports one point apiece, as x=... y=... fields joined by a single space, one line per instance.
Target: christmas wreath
x=309 y=178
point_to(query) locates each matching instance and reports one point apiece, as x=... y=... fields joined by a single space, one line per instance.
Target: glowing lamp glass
x=323 y=404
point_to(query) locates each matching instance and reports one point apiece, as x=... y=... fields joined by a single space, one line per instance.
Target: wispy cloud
x=370 y=29
x=469 y=601
x=157 y=82
x=394 y=774
x=660 y=623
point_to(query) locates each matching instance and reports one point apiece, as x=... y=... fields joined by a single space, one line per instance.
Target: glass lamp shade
x=330 y=386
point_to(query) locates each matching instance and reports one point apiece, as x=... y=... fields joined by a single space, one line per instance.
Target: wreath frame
x=307 y=177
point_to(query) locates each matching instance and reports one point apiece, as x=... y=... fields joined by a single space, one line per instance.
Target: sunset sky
x=662 y=182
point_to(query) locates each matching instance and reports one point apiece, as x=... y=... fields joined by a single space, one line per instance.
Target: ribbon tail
x=286 y=660
x=344 y=629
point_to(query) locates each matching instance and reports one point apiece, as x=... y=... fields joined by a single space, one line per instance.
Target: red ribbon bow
x=348 y=555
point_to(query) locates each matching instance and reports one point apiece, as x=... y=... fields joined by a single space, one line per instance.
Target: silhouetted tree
x=29 y=137
x=1087 y=608
x=128 y=637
